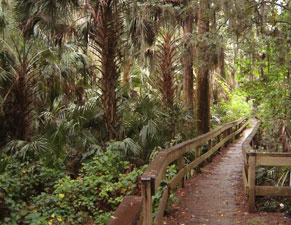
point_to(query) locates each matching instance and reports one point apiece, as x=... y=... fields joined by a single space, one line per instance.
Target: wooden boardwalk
x=215 y=196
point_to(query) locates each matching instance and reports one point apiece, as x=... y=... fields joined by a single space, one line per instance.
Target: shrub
x=39 y=195
x=235 y=108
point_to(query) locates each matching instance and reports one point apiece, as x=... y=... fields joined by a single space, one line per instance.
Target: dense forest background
x=92 y=90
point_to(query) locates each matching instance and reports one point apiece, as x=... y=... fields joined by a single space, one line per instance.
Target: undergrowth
x=35 y=194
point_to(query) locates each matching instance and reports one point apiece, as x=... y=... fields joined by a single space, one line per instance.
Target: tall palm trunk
x=167 y=56
x=105 y=36
x=202 y=80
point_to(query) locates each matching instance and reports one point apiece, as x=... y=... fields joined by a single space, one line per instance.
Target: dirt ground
x=216 y=196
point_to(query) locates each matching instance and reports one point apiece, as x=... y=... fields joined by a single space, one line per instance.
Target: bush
x=235 y=108
x=46 y=196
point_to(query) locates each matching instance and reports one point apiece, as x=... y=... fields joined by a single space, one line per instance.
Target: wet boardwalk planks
x=215 y=196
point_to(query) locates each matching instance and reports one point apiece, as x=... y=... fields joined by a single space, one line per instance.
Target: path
x=215 y=196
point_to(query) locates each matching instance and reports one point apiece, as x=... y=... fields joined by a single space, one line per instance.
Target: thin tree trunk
x=126 y=71
x=126 y=74
x=202 y=81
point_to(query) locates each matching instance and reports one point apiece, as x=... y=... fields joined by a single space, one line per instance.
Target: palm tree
x=105 y=32
x=18 y=62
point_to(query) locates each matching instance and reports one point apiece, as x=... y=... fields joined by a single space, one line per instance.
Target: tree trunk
x=126 y=73
x=126 y=70
x=187 y=64
x=202 y=81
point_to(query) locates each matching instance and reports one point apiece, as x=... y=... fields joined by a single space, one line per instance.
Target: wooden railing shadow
x=138 y=209
x=253 y=159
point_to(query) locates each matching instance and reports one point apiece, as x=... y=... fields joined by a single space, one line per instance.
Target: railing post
x=209 y=148
x=253 y=143
x=237 y=127
x=252 y=181
x=147 y=201
x=181 y=165
x=197 y=155
x=225 y=135
x=218 y=140
x=229 y=133
x=256 y=141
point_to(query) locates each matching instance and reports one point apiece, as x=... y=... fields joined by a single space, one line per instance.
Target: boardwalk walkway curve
x=217 y=196
x=209 y=197
x=211 y=190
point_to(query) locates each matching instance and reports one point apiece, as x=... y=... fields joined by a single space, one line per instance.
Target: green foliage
x=21 y=184
x=34 y=194
x=236 y=107
x=266 y=79
x=152 y=126
x=171 y=172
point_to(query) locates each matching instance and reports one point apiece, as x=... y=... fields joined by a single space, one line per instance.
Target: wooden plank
x=128 y=211
x=210 y=143
x=181 y=165
x=245 y=181
x=273 y=191
x=246 y=149
x=163 y=203
x=252 y=134
x=202 y=158
x=197 y=155
x=147 y=202
x=244 y=157
x=177 y=178
x=273 y=160
x=252 y=183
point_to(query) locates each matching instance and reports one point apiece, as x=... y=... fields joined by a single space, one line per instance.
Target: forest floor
x=216 y=196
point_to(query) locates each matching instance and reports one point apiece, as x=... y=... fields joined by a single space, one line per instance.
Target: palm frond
x=27 y=150
x=148 y=132
x=126 y=147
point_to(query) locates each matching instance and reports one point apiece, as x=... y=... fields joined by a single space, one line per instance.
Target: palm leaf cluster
x=36 y=16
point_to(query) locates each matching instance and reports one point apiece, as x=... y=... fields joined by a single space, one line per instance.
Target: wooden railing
x=153 y=176
x=252 y=159
x=288 y=140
